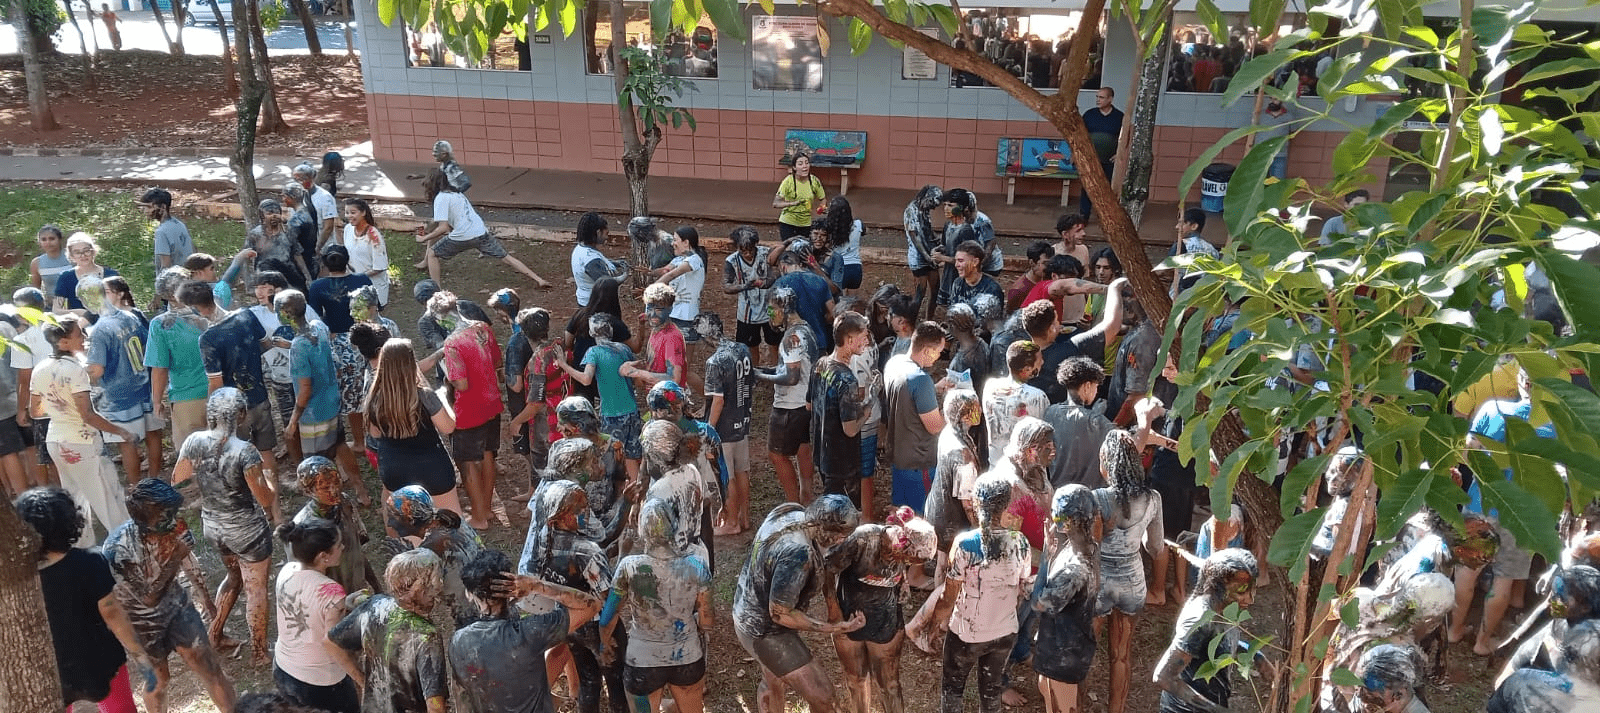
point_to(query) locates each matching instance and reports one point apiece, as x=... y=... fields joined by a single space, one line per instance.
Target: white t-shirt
x=1005 y=402
x=36 y=348
x=987 y=606
x=326 y=208
x=57 y=381
x=793 y=396
x=308 y=604
x=582 y=255
x=455 y=209
x=688 y=286
x=367 y=255
x=863 y=365
x=851 y=252
x=274 y=361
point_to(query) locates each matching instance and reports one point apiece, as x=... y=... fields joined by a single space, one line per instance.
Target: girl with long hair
x=605 y=298
x=589 y=265
x=1065 y=599
x=1132 y=510
x=800 y=194
x=844 y=231
x=990 y=568
x=369 y=255
x=407 y=421
x=309 y=603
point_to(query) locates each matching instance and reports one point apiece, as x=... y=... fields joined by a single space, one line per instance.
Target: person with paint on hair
x=699 y=446
x=837 y=411
x=1132 y=510
x=789 y=426
x=666 y=357
x=663 y=594
x=1406 y=618
x=418 y=522
x=235 y=504
x=602 y=365
x=497 y=659
x=388 y=645
x=232 y=351
x=776 y=585
x=116 y=365
x=1228 y=577
x=869 y=570
x=1391 y=681
x=671 y=475
x=320 y=481
x=747 y=274
x=686 y=275
x=730 y=390
x=949 y=514
x=558 y=551
x=172 y=354
x=921 y=241
x=309 y=603
x=543 y=385
x=471 y=358
x=1574 y=685
x=1574 y=598
x=314 y=422
x=96 y=649
x=146 y=555
x=607 y=478
x=1065 y=598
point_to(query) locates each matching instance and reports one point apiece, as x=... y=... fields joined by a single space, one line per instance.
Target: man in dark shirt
x=813 y=300
x=970 y=280
x=730 y=391
x=836 y=410
x=778 y=581
x=389 y=643
x=330 y=295
x=1089 y=342
x=1104 y=123
x=428 y=328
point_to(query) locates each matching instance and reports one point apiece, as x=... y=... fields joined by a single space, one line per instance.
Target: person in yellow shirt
x=800 y=196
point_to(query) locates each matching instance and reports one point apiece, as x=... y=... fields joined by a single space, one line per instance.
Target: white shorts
x=139 y=426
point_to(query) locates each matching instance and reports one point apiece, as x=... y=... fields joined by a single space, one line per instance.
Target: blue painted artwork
x=836 y=149
x=1034 y=158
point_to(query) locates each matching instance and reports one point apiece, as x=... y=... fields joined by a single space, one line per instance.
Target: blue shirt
x=811 y=297
x=1490 y=423
x=313 y=359
x=116 y=344
x=330 y=297
x=67 y=286
x=231 y=349
x=174 y=345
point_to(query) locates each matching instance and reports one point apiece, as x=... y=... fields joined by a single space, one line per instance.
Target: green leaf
x=569 y=17
x=1212 y=17
x=860 y=36
x=496 y=21
x=1559 y=68
x=947 y=19
x=919 y=14
x=1250 y=77
x=661 y=18
x=1245 y=189
x=1264 y=16
x=1577 y=288
x=1524 y=515
x=1291 y=544
x=725 y=15
x=768 y=7
x=387 y=9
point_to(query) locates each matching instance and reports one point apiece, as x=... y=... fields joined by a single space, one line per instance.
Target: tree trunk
x=637 y=150
x=176 y=48
x=271 y=116
x=83 y=49
x=228 y=68
x=33 y=74
x=1140 y=161
x=251 y=92
x=89 y=19
x=303 y=9
x=28 y=678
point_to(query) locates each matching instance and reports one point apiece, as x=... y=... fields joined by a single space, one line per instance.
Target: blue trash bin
x=1214 y=186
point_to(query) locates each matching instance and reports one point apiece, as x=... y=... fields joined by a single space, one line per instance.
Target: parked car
x=199 y=11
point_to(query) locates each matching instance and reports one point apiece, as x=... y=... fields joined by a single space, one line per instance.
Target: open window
x=1030 y=44
x=691 y=54
x=426 y=48
x=1203 y=62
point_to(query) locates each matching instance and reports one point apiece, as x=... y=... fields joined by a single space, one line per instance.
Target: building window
x=686 y=54
x=1203 y=62
x=1030 y=45
x=426 y=48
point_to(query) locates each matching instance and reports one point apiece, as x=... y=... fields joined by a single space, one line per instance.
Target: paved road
x=140 y=31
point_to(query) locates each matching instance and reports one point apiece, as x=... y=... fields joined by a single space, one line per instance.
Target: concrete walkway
x=513 y=188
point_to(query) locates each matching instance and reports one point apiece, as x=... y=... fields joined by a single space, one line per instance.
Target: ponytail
x=306 y=540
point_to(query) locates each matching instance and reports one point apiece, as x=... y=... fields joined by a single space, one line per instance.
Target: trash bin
x=1214 y=186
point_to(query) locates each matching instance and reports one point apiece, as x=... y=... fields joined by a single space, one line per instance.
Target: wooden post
x=1011 y=190
x=844 y=181
x=1066 y=185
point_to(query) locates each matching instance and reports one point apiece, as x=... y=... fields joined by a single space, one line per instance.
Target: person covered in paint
x=602 y=365
x=921 y=241
x=1573 y=686
x=971 y=352
x=411 y=514
x=700 y=446
x=146 y=555
x=315 y=418
x=838 y=409
x=663 y=595
x=320 y=481
x=1427 y=543
x=1065 y=599
x=1401 y=618
x=990 y=569
x=116 y=364
x=789 y=427
x=868 y=570
x=949 y=514
x=777 y=582
x=672 y=476
x=1080 y=424
x=97 y=651
x=1344 y=470
x=389 y=646
x=559 y=552
x=309 y=603
x=235 y=505
x=1390 y=681
x=1227 y=578
x=1574 y=598
x=498 y=658
x=730 y=392
x=471 y=358
x=1132 y=511
x=577 y=419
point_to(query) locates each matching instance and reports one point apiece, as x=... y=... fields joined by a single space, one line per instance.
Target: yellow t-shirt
x=809 y=194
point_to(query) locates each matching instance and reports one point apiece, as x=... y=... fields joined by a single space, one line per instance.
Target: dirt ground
x=152 y=99
x=733 y=675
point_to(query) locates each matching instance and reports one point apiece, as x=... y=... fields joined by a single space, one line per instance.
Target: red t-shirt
x=470 y=355
x=1019 y=291
x=543 y=364
x=1041 y=291
x=667 y=347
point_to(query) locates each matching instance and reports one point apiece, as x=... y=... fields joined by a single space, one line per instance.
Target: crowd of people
x=1033 y=470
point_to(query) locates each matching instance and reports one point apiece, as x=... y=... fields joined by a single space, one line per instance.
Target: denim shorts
x=909 y=487
x=687 y=327
x=625 y=428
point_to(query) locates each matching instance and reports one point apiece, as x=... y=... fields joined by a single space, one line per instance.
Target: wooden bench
x=1034 y=158
x=844 y=150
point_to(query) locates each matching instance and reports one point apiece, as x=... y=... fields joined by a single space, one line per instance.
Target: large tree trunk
x=228 y=68
x=89 y=19
x=303 y=9
x=175 y=47
x=33 y=75
x=1140 y=147
x=87 y=58
x=637 y=150
x=271 y=116
x=28 y=678
x=251 y=92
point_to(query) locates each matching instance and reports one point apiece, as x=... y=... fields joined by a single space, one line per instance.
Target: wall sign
x=914 y=63
x=785 y=54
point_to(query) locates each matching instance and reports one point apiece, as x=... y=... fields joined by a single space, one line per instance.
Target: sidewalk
x=1032 y=217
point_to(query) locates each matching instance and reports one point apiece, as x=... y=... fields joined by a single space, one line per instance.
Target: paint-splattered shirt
x=498 y=664
x=730 y=376
x=137 y=568
x=685 y=489
x=401 y=653
x=868 y=581
x=227 y=507
x=835 y=399
x=658 y=598
x=308 y=605
x=781 y=570
x=1197 y=627
x=1005 y=402
x=991 y=584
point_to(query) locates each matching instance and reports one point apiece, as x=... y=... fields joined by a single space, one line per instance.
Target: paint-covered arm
x=1169 y=672
x=785 y=374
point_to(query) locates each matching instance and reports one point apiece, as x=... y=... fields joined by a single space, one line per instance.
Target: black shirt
x=87 y=653
x=781 y=570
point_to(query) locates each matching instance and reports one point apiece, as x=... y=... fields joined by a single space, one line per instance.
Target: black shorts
x=781 y=653
x=752 y=335
x=922 y=271
x=186 y=630
x=471 y=444
x=11 y=438
x=341 y=697
x=786 y=231
x=645 y=680
x=852 y=277
x=848 y=486
x=788 y=429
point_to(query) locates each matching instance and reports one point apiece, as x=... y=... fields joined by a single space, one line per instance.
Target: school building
x=550 y=102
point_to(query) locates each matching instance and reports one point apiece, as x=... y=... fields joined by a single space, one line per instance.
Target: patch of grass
x=124 y=234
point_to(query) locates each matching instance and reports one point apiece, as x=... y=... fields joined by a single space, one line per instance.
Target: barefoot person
x=730 y=388
x=1227 y=577
x=1065 y=646
x=1132 y=510
x=235 y=504
x=769 y=604
x=326 y=500
x=388 y=645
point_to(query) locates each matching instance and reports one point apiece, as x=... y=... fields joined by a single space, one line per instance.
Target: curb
x=127 y=151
